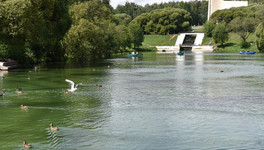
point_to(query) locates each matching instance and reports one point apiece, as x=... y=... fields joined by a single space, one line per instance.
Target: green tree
x=36 y=34
x=137 y=35
x=3 y=51
x=142 y=20
x=123 y=19
x=130 y=9
x=92 y=10
x=256 y=1
x=32 y=28
x=260 y=14
x=208 y=28
x=85 y=40
x=164 y=21
x=58 y=24
x=150 y=27
x=111 y=39
x=124 y=36
x=243 y=27
x=227 y=15
x=260 y=37
x=94 y=34
x=220 y=34
x=197 y=9
x=82 y=42
x=12 y=27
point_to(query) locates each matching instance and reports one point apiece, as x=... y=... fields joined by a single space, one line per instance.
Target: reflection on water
x=54 y=140
x=3 y=73
x=156 y=101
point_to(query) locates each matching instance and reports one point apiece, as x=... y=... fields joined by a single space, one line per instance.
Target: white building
x=214 y=5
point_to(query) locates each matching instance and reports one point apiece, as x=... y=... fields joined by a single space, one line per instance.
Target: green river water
x=156 y=101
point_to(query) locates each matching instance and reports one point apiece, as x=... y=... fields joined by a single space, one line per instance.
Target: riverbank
x=231 y=46
x=151 y=41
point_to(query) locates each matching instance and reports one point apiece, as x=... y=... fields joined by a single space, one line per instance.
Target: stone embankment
x=8 y=64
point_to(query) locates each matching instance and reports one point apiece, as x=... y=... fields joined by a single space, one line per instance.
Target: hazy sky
x=114 y=3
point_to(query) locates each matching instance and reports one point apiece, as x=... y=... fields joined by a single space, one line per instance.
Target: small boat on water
x=133 y=54
x=180 y=53
x=247 y=52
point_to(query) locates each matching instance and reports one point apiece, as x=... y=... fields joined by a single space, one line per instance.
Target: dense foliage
x=208 y=28
x=137 y=34
x=227 y=15
x=243 y=27
x=220 y=34
x=33 y=28
x=35 y=31
x=123 y=19
x=197 y=9
x=240 y=20
x=260 y=37
x=256 y=1
x=164 y=21
x=82 y=41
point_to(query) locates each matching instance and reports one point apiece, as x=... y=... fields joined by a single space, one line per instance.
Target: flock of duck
x=24 y=107
x=27 y=145
x=53 y=128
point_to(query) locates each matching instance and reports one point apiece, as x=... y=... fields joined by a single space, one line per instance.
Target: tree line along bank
x=80 y=31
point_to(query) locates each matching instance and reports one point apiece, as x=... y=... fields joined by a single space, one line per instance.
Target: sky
x=114 y=3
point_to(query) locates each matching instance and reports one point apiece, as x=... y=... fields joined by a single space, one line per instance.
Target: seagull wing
x=78 y=85
x=71 y=82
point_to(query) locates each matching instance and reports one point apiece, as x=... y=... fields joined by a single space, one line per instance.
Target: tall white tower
x=214 y=5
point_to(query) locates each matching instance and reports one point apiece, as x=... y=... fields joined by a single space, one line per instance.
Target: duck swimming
x=23 y=107
x=98 y=85
x=26 y=145
x=2 y=90
x=19 y=90
x=67 y=92
x=53 y=128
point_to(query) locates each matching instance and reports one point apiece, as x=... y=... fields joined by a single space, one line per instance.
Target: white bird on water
x=73 y=86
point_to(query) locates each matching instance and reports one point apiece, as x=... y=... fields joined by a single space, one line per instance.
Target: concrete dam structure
x=182 y=44
x=187 y=42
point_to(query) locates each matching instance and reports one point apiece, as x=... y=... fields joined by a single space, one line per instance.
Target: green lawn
x=151 y=41
x=231 y=46
x=159 y=40
x=233 y=43
x=206 y=40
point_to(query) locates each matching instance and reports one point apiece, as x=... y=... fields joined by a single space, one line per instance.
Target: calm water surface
x=158 y=101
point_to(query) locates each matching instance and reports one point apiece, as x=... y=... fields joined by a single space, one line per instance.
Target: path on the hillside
x=172 y=37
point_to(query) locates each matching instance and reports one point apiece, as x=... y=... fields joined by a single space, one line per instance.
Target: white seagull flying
x=73 y=86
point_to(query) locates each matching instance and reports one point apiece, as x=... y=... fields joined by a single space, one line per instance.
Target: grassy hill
x=232 y=45
x=151 y=41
